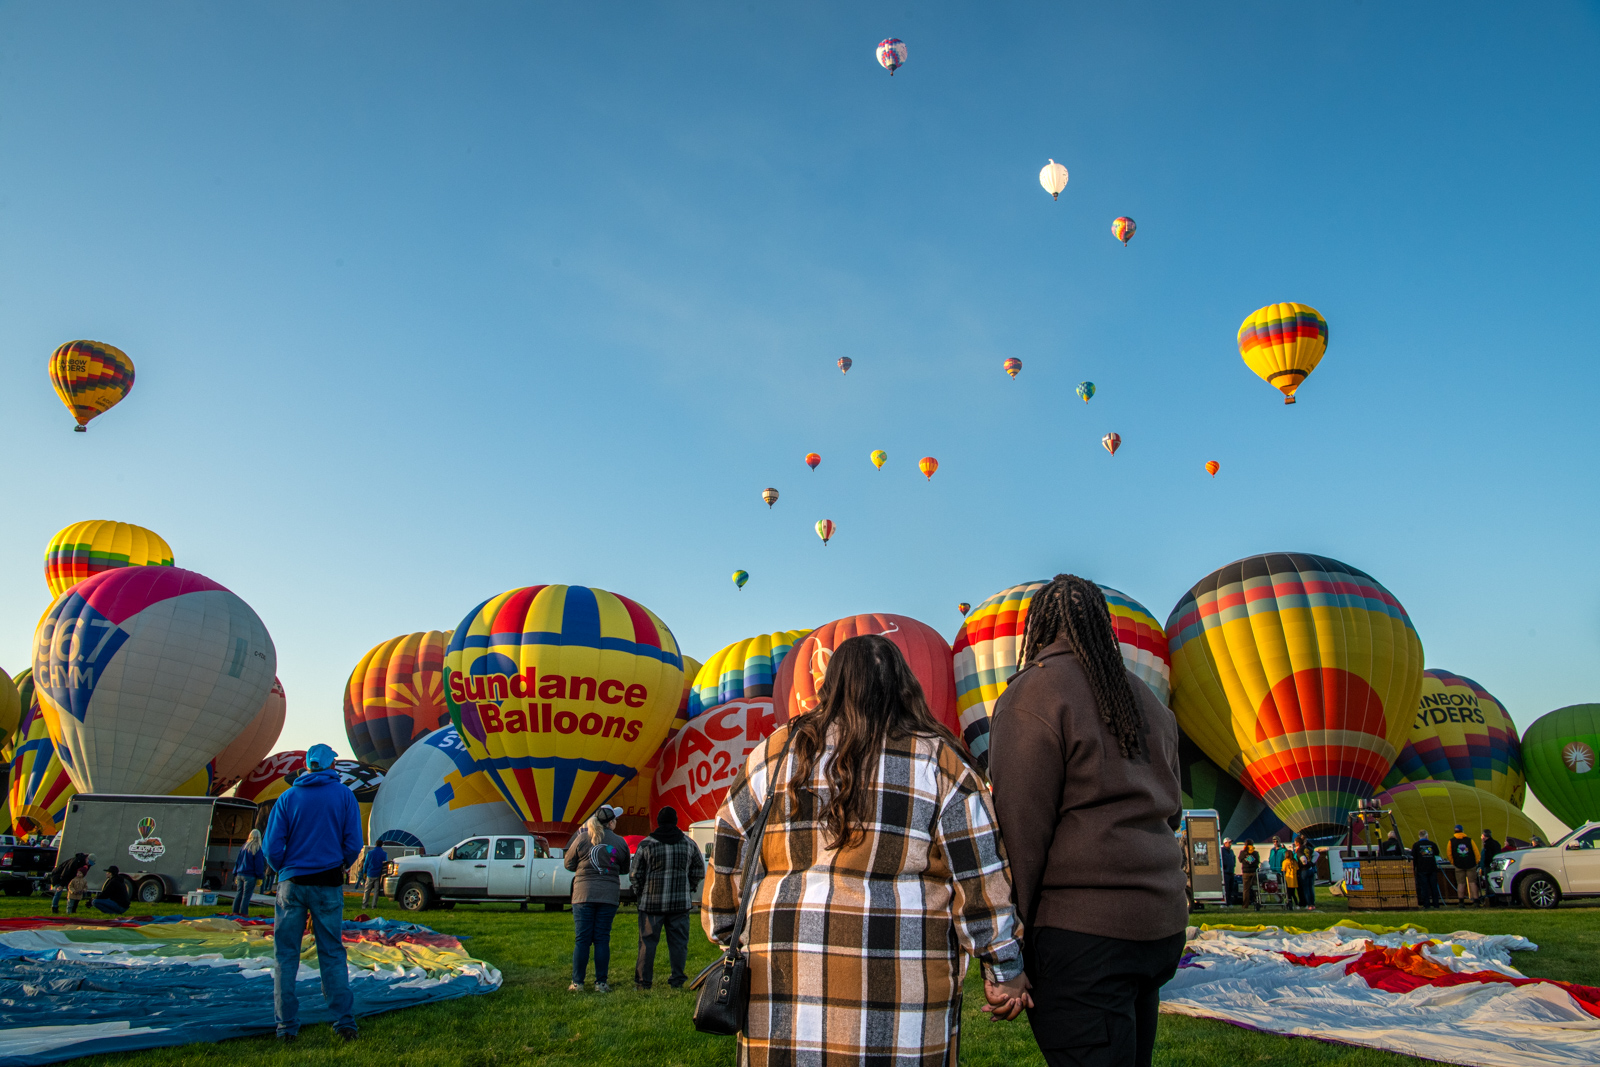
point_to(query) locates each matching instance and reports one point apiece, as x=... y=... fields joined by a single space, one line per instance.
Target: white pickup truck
x=521 y=869
x=1542 y=877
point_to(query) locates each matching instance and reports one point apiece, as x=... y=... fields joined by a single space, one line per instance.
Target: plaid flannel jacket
x=857 y=954
x=667 y=877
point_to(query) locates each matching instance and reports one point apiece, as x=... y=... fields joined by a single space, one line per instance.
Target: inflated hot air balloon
x=436 y=795
x=1241 y=814
x=812 y=459
x=795 y=687
x=1212 y=467
x=1122 y=228
x=927 y=465
x=1439 y=807
x=1012 y=367
x=770 y=496
x=38 y=784
x=91 y=378
x=266 y=783
x=1053 y=177
x=845 y=363
x=1559 y=752
x=568 y=691
x=395 y=697
x=700 y=763
x=740 y=577
x=985 y=653
x=1300 y=675
x=891 y=53
x=743 y=670
x=1461 y=734
x=146 y=673
x=1111 y=442
x=1283 y=343
x=85 y=549
x=963 y=607
x=1085 y=390
x=253 y=743
x=879 y=457
x=825 y=528
x=10 y=708
x=634 y=796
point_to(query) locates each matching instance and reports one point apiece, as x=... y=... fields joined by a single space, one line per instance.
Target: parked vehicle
x=520 y=868
x=1543 y=877
x=168 y=846
x=24 y=868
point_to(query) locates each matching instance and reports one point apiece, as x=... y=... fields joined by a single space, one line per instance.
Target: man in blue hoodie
x=313 y=835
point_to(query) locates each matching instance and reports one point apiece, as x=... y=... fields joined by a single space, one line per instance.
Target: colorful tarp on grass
x=114 y=986
x=1449 y=997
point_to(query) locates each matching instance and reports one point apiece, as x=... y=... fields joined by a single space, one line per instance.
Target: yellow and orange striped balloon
x=84 y=549
x=1283 y=343
x=90 y=378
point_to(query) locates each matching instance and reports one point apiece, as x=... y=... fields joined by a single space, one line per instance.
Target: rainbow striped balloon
x=39 y=785
x=84 y=549
x=1461 y=733
x=986 y=653
x=90 y=378
x=1283 y=343
x=742 y=670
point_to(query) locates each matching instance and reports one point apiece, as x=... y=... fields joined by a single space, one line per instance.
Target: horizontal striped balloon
x=84 y=549
x=741 y=670
x=1461 y=733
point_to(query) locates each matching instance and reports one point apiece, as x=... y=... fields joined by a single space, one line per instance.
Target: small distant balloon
x=891 y=54
x=740 y=577
x=1012 y=366
x=825 y=528
x=812 y=459
x=1085 y=390
x=1054 y=179
x=770 y=496
x=1112 y=442
x=845 y=363
x=1122 y=228
x=963 y=607
x=879 y=458
x=1212 y=467
x=928 y=465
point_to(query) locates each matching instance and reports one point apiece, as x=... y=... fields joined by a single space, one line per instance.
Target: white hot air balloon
x=435 y=795
x=1054 y=179
x=146 y=673
x=253 y=743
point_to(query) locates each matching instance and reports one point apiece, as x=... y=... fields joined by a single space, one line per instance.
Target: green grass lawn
x=532 y=1019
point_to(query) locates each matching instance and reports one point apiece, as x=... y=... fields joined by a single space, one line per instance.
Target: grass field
x=533 y=1020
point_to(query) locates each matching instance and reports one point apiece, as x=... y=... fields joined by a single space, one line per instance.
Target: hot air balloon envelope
x=770 y=496
x=699 y=764
x=1559 y=752
x=825 y=529
x=1111 y=442
x=1439 y=807
x=267 y=781
x=1054 y=179
x=1283 y=343
x=740 y=577
x=395 y=696
x=1122 y=228
x=963 y=607
x=85 y=549
x=90 y=378
x=252 y=745
x=1212 y=467
x=891 y=54
x=845 y=363
x=38 y=785
x=812 y=459
x=796 y=687
x=1461 y=734
x=740 y=671
x=1012 y=366
x=435 y=795
x=927 y=464
x=1085 y=390
x=879 y=457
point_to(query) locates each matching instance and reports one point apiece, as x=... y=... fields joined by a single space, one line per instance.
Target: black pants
x=1427 y=886
x=1096 y=999
x=650 y=926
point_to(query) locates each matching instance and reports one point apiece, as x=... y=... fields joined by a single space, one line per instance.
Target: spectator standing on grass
x=597 y=856
x=1084 y=759
x=313 y=835
x=77 y=889
x=1425 y=865
x=666 y=877
x=116 y=894
x=372 y=875
x=1489 y=849
x=1230 y=881
x=1275 y=858
x=63 y=874
x=1249 y=864
x=1289 y=872
x=1306 y=859
x=879 y=873
x=248 y=869
x=1464 y=858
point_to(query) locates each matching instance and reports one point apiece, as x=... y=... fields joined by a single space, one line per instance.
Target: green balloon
x=1559 y=753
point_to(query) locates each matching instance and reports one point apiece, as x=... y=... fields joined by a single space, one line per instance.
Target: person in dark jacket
x=1230 y=881
x=1392 y=847
x=372 y=875
x=597 y=856
x=1488 y=849
x=64 y=873
x=1464 y=858
x=666 y=876
x=1084 y=762
x=117 y=893
x=1306 y=859
x=313 y=835
x=1425 y=865
x=249 y=867
x=1249 y=865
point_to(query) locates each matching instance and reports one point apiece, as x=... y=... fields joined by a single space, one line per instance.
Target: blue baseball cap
x=320 y=758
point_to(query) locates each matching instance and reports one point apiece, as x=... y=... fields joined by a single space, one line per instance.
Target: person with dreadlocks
x=1084 y=764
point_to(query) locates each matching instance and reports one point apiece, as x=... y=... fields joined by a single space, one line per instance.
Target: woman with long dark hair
x=881 y=872
x=1084 y=762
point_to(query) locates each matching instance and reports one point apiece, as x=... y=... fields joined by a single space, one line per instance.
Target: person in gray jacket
x=597 y=856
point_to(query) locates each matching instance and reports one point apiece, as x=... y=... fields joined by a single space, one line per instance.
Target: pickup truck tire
x=416 y=896
x=1539 y=890
x=150 y=891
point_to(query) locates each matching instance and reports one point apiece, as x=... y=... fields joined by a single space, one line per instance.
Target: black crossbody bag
x=724 y=1002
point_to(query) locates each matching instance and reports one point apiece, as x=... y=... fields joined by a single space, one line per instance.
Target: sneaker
x=575 y=987
x=348 y=1033
x=602 y=987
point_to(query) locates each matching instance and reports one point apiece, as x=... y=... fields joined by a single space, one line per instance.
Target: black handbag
x=724 y=1002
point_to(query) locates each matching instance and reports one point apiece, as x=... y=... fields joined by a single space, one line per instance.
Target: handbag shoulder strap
x=753 y=848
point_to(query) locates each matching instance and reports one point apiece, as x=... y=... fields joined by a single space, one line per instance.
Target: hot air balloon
x=87 y=548
x=1559 y=751
x=740 y=577
x=927 y=464
x=567 y=691
x=10 y=708
x=743 y=670
x=845 y=363
x=146 y=673
x=796 y=687
x=770 y=496
x=825 y=529
x=1122 y=228
x=38 y=784
x=1054 y=179
x=1241 y=814
x=1461 y=734
x=1012 y=367
x=267 y=781
x=1212 y=467
x=985 y=653
x=812 y=459
x=879 y=457
x=891 y=53
x=1283 y=343
x=963 y=607
x=1439 y=807
x=1111 y=442
x=395 y=697
x=1300 y=675
x=634 y=797
x=700 y=763
x=1085 y=390
x=252 y=745
x=436 y=795
x=91 y=378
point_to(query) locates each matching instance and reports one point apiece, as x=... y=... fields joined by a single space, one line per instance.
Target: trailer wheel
x=19 y=887
x=416 y=896
x=150 y=891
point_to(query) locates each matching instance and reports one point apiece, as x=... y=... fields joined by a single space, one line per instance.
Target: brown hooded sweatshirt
x=1088 y=832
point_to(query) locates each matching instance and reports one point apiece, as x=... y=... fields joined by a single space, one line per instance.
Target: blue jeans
x=593 y=927
x=110 y=907
x=241 y=900
x=324 y=905
x=55 y=901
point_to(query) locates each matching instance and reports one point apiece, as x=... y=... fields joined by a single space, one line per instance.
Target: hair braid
x=1075 y=608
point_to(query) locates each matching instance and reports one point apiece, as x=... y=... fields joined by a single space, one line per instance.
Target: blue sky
x=429 y=301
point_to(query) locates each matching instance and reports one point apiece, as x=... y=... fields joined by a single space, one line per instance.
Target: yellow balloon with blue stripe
x=564 y=693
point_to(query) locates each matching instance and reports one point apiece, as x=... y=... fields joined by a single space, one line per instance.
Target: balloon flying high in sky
x=90 y=378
